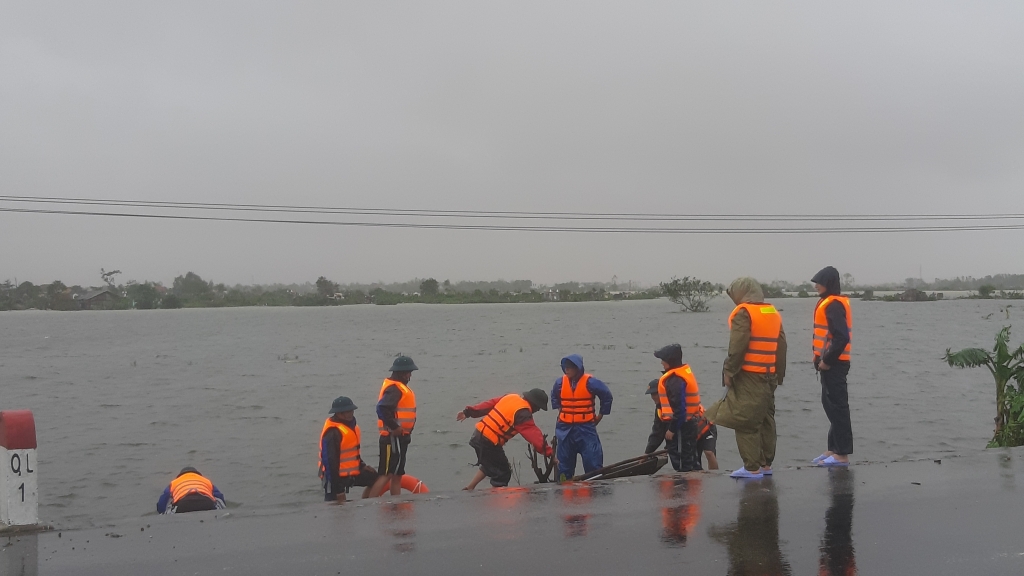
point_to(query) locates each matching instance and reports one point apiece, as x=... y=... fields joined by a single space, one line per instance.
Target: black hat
x=537 y=398
x=403 y=364
x=652 y=386
x=188 y=469
x=342 y=404
x=673 y=354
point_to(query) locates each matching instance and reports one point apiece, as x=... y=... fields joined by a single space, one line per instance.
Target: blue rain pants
x=577 y=439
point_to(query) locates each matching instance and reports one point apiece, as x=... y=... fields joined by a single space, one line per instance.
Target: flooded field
x=123 y=400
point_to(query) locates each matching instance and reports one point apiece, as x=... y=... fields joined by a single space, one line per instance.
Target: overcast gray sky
x=719 y=107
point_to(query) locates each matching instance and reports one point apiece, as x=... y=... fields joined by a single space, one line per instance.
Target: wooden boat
x=640 y=466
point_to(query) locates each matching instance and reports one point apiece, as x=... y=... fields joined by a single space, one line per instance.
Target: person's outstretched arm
x=480 y=410
x=531 y=433
x=165 y=499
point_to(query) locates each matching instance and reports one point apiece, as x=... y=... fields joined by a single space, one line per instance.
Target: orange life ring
x=413 y=484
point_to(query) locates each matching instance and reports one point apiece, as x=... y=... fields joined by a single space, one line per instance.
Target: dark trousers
x=836 y=402
x=685 y=442
x=194 y=503
x=492 y=460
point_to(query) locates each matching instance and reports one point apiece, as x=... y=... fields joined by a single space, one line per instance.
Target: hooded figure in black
x=833 y=370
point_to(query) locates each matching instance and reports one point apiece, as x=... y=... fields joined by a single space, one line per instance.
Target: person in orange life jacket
x=832 y=327
x=576 y=430
x=189 y=492
x=396 y=418
x=679 y=407
x=707 y=434
x=754 y=367
x=341 y=464
x=502 y=418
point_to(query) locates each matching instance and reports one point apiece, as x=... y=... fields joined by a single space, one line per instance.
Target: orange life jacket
x=348 y=459
x=703 y=424
x=498 y=425
x=822 y=337
x=691 y=394
x=405 y=412
x=190 y=483
x=765 y=327
x=577 y=405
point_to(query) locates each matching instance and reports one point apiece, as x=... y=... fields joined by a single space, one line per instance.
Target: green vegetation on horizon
x=192 y=291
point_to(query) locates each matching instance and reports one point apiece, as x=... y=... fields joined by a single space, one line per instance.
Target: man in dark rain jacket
x=833 y=324
x=679 y=408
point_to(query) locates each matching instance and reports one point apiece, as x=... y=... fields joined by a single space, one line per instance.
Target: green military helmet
x=342 y=404
x=403 y=364
x=537 y=398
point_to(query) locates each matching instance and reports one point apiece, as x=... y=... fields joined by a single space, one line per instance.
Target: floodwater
x=123 y=400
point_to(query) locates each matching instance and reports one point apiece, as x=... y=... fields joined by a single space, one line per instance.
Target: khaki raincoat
x=749 y=403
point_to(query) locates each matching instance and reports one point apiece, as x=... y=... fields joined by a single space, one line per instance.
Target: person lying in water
x=190 y=491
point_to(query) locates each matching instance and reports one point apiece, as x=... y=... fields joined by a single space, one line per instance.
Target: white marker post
x=19 y=492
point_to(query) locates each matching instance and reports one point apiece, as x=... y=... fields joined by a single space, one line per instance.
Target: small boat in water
x=640 y=466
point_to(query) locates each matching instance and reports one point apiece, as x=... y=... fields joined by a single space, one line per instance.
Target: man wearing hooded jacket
x=832 y=361
x=754 y=367
x=679 y=408
x=574 y=397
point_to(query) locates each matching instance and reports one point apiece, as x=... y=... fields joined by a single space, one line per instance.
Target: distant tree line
x=192 y=291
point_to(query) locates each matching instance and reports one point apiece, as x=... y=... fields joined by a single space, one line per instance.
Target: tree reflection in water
x=836 y=551
x=753 y=540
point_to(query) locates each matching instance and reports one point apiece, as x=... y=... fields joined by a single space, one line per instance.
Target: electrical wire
x=520 y=228
x=486 y=214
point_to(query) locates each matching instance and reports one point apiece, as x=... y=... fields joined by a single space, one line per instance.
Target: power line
x=520 y=228
x=511 y=215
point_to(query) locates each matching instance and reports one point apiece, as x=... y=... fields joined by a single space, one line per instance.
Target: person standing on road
x=833 y=328
x=576 y=430
x=753 y=369
x=396 y=418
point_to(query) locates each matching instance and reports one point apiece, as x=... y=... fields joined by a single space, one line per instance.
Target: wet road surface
x=959 y=516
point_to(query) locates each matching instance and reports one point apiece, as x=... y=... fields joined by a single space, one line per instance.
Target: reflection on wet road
x=837 y=555
x=753 y=540
x=681 y=512
x=576 y=499
x=398 y=520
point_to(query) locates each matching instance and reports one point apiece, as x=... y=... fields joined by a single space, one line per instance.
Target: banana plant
x=1007 y=368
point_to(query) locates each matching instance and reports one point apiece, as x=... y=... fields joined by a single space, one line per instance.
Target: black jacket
x=835 y=314
x=675 y=389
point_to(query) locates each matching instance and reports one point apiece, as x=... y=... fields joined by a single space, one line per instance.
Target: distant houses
x=102 y=299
